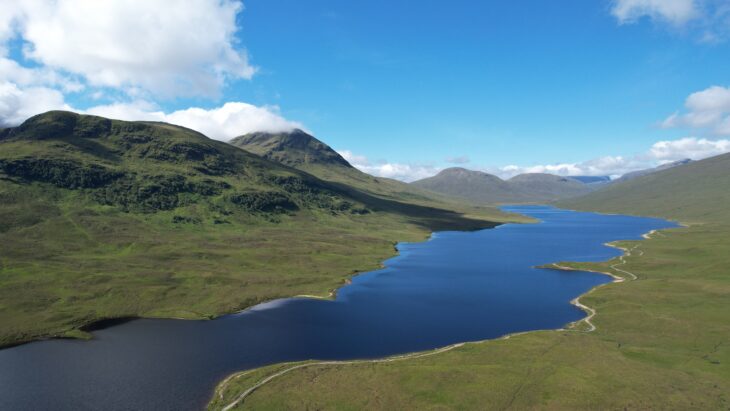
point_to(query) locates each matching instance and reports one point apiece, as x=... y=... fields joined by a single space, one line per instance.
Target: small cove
x=456 y=287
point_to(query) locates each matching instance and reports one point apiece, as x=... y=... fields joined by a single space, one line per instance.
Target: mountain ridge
x=483 y=187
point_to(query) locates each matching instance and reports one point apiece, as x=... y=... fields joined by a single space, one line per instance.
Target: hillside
x=295 y=149
x=105 y=219
x=485 y=188
x=634 y=174
x=695 y=192
x=306 y=153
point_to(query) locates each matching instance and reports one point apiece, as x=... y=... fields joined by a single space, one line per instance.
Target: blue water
x=458 y=286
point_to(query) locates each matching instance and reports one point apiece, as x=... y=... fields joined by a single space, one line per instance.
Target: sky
x=402 y=89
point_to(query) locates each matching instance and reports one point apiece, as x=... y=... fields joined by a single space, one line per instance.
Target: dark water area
x=456 y=287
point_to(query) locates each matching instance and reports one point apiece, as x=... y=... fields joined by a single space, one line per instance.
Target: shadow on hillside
x=431 y=218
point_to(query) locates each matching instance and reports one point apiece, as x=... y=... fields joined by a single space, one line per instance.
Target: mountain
x=295 y=149
x=149 y=167
x=305 y=152
x=105 y=219
x=486 y=188
x=473 y=185
x=547 y=187
x=635 y=174
x=696 y=191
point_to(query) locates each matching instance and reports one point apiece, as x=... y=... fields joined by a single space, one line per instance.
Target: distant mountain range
x=486 y=188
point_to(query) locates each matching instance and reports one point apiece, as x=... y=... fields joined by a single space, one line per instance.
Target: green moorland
x=106 y=219
x=662 y=341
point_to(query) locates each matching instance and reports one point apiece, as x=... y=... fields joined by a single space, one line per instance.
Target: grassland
x=662 y=341
x=103 y=219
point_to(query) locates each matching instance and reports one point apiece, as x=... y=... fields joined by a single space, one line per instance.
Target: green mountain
x=306 y=153
x=694 y=191
x=148 y=167
x=485 y=188
x=105 y=219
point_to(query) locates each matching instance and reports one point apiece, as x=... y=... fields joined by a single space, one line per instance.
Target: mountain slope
x=295 y=149
x=473 y=185
x=547 y=187
x=304 y=152
x=697 y=191
x=635 y=174
x=105 y=219
x=486 y=188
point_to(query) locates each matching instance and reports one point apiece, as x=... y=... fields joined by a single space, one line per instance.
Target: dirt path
x=258 y=385
x=591 y=327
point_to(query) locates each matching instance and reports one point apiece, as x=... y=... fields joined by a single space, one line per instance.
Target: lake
x=456 y=287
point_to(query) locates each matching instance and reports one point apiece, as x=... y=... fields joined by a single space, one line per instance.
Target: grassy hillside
x=304 y=152
x=695 y=192
x=661 y=340
x=484 y=188
x=104 y=219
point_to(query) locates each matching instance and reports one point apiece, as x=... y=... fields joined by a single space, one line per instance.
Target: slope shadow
x=431 y=218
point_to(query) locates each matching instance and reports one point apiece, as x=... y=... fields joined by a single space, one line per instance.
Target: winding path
x=591 y=327
x=258 y=385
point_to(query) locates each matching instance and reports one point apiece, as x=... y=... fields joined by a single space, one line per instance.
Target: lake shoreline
x=84 y=330
x=590 y=313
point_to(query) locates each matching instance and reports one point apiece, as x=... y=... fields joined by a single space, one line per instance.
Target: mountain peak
x=293 y=148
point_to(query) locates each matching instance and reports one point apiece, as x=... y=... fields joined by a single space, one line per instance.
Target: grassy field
x=662 y=341
x=153 y=220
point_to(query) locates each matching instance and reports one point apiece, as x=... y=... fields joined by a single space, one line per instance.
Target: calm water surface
x=458 y=286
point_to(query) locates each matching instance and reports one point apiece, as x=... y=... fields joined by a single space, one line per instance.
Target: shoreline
x=571 y=327
x=84 y=331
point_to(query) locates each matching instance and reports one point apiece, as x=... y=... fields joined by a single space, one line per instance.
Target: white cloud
x=708 y=109
x=398 y=171
x=706 y=20
x=614 y=166
x=131 y=50
x=676 y=12
x=17 y=104
x=221 y=123
x=167 y=48
x=602 y=166
x=688 y=147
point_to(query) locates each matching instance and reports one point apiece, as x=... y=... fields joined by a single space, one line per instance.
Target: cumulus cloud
x=398 y=171
x=168 y=48
x=17 y=104
x=688 y=147
x=222 y=123
x=602 y=166
x=675 y=12
x=708 y=110
x=133 y=50
x=706 y=20
x=659 y=153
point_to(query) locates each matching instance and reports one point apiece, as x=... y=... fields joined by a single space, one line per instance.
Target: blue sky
x=410 y=85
